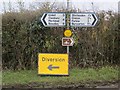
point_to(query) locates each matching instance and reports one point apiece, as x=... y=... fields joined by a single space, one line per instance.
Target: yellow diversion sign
x=53 y=64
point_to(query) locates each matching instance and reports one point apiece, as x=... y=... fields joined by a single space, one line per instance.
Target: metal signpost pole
x=61 y=19
x=68 y=22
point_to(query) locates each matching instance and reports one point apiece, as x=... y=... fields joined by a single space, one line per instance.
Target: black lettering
x=53 y=20
x=53 y=24
x=63 y=60
x=53 y=59
x=78 y=15
x=43 y=59
x=51 y=15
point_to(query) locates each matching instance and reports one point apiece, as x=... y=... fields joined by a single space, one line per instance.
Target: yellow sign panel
x=67 y=33
x=53 y=64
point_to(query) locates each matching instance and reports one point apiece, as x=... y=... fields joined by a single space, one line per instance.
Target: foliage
x=24 y=37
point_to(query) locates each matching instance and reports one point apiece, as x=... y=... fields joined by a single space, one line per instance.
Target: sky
x=81 y=4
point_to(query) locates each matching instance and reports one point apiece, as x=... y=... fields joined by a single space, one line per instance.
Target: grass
x=77 y=75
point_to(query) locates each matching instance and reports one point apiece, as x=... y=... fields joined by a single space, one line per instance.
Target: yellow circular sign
x=67 y=33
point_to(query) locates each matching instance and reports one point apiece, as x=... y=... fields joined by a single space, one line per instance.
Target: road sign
x=67 y=33
x=67 y=41
x=53 y=64
x=83 y=19
x=53 y=19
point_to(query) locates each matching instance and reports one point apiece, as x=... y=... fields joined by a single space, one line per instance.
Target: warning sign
x=53 y=64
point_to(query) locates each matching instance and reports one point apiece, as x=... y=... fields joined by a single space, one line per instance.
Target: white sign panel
x=53 y=19
x=83 y=19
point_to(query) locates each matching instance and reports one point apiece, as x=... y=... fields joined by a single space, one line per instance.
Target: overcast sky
x=82 y=4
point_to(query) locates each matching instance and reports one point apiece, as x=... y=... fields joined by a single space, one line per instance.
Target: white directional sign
x=53 y=19
x=67 y=41
x=83 y=19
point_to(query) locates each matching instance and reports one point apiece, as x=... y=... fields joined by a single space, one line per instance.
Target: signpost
x=57 y=64
x=68 y=21
x=83 y=19
x=53 y=19
x=67 y=41
x=53 y=64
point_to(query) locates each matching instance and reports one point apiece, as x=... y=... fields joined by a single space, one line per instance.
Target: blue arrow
x=50 y=67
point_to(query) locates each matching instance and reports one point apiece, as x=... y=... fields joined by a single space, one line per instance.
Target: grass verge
x=76 y=76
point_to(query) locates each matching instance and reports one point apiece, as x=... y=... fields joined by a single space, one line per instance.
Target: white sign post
x=83 y=19
x=53 y=19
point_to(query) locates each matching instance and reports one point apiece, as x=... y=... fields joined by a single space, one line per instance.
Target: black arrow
x=50 y=67
x=44 y=19
x=94 y=19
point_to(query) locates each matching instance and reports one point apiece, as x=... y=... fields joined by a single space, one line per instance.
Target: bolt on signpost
x=57 y=64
